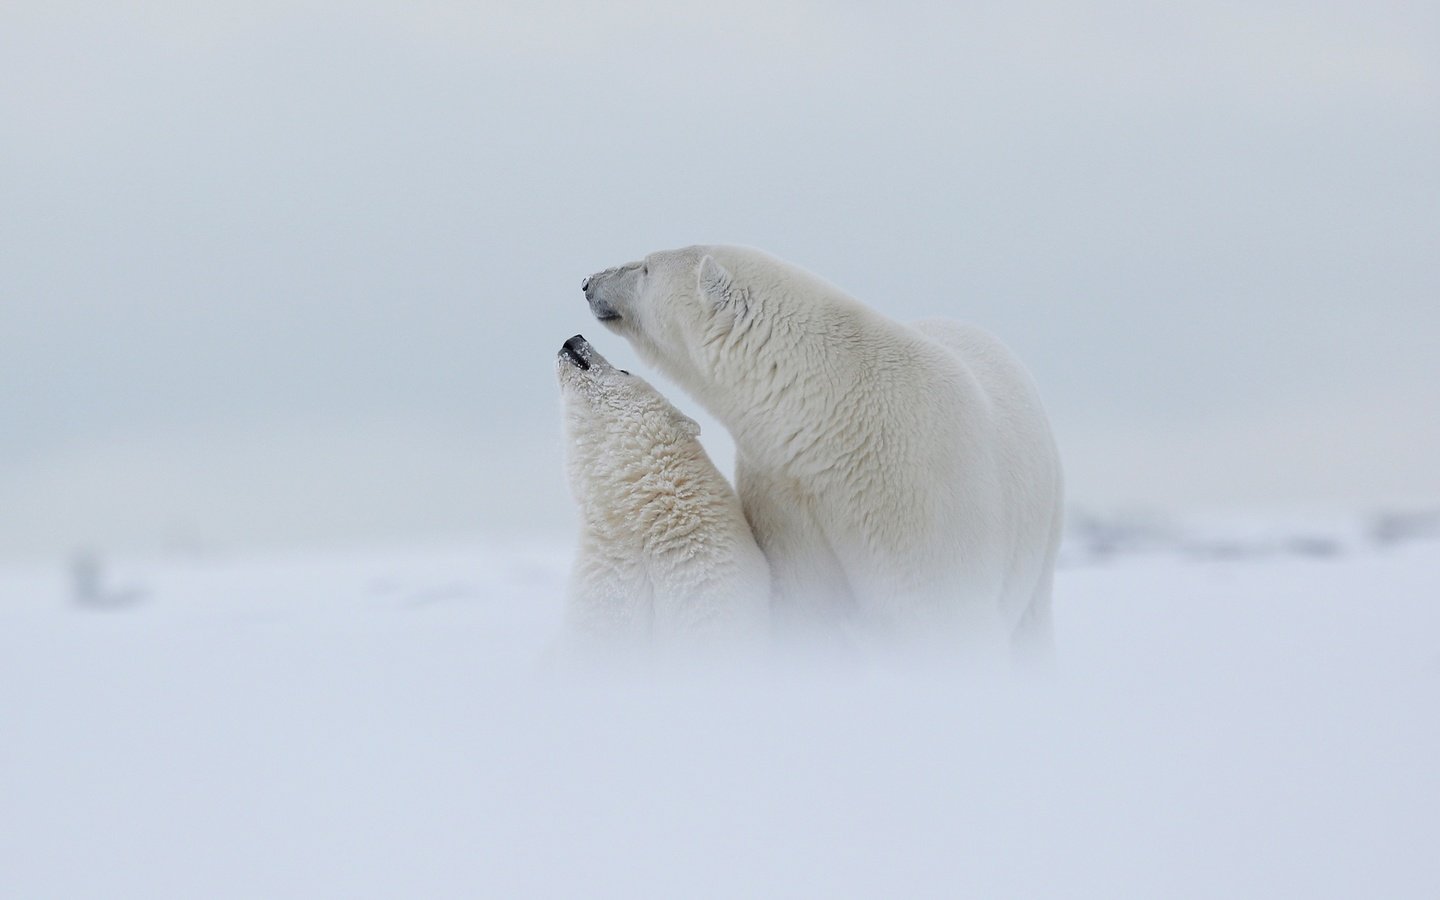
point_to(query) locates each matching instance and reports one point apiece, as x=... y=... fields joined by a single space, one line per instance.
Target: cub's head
x=612 y=414
x=675 y=306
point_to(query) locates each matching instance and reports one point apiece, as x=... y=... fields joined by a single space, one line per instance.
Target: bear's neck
x=786 y=393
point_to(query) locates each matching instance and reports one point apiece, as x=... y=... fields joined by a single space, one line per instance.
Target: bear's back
x=1028 y=460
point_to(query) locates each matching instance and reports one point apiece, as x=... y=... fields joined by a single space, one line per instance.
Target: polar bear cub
x=901 y=478
x=666 y=560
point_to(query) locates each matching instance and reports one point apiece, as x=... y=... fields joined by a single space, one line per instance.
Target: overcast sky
x=278 y=273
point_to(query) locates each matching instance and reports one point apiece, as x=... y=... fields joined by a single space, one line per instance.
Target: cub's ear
x=686 y=424
x=715 y=281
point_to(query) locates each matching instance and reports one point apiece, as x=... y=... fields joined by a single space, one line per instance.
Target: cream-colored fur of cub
x=667 y=565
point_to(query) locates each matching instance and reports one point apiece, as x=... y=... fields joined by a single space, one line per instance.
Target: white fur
x=899 y=478
x=666 y=564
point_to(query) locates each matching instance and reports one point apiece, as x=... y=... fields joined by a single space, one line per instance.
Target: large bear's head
x=612 y=416
x=676 y=307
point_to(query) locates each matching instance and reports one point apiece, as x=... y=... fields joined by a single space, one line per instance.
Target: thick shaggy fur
x=899 y=478
x=666 y=559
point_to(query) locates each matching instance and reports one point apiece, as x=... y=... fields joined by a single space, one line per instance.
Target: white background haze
x=276 y=273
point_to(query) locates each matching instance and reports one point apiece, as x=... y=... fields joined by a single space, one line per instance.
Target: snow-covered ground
x=1238 y=710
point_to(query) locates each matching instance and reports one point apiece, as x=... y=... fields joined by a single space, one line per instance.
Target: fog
x=1245 y=719
x=295 y=274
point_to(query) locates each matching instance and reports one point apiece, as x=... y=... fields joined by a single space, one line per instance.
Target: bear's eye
x=624 y=372
x=644 y=268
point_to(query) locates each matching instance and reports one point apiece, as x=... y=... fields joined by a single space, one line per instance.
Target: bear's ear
x=715 y=281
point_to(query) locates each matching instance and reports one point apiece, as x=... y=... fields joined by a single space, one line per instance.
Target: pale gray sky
x=295 y=272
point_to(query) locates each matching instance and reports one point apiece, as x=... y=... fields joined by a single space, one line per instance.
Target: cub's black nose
x=577 y=351
x=585 y=286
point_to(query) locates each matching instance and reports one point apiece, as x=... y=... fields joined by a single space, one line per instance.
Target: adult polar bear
x=899 y=478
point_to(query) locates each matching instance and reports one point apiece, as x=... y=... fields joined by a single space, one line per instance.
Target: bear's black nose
x=585 y=286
